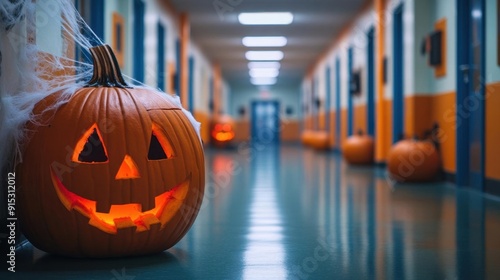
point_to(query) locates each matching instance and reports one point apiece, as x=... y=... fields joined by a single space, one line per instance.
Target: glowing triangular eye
x=90 y=148
x=159 y=146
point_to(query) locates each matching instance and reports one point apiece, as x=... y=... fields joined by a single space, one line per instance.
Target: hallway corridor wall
x=429 y=92
x=161 y=12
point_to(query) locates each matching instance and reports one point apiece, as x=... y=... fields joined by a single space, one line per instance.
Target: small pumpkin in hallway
x=113 y=171
x=414 y=160
x=222 y=131
x=359 y=149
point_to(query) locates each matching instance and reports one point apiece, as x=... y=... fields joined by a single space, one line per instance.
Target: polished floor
x=293 y=213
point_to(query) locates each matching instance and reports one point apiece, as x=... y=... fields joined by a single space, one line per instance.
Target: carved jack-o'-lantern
x=222 y=131
x=114 y=171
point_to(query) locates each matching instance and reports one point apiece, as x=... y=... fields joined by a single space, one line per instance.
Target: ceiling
x=218 y=33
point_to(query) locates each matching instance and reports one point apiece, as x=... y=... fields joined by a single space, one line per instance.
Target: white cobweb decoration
x=27 y=74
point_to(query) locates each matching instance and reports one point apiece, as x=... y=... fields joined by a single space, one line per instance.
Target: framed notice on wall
x=118 y=39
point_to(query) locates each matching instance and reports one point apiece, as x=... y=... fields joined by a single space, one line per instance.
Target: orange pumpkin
x=412 y=160
x=114 y=171
x=359 y=149
x=222 y=131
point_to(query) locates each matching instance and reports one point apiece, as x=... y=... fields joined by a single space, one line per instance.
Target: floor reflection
x=293 y=213
x=264 y=250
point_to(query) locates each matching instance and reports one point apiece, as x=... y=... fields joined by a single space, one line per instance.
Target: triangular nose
x=128 y=169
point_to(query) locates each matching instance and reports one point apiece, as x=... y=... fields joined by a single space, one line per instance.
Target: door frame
x=338 y=105
x=350 y=97
x=464 y=10
x=398 y=94
x=254 y=129
x=191 y=66
x=160 y=75
x=328 y=92
x=139 y=27
x=370 y=106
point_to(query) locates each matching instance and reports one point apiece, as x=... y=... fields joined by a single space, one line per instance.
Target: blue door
x=328 y=98
x=350 y=106
x=338 y=107
x=139 y=10
x=471 y=93
x=160 y=78
x=177 y=84
x=266 y=122
x=191 y=84
x=315 y=104
x=371 y=83
x=398 y=70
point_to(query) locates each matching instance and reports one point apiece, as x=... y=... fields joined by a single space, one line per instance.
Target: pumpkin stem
x=360 y=132
x=106 y=69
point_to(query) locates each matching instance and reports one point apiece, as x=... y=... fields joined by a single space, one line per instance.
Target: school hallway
x=250 y=139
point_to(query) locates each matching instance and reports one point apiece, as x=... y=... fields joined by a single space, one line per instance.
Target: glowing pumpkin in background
x=414 y=160
x=359 y=149
x=114 y=171
x=222 y=131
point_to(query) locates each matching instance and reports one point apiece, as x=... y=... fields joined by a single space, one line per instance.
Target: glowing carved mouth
x=126 y=215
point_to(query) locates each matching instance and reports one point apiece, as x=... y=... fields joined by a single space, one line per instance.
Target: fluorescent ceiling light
x=264 y=81
x=264 y=55
x=264 y=72
x=266 y=18
x=268 y=64
x=268 y=41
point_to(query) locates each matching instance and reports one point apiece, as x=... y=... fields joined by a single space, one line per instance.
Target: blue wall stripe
x=139 y=10
x=160 y=77
x=350 y=107
x=371 y=83
x=191 y=84
x=328 y=97
x=338 y=108
x=398 y=90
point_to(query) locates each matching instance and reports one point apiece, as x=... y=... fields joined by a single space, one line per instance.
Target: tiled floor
x=291 y=213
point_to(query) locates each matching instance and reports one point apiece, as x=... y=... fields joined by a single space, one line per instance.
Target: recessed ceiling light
x=267 y=41
x=267 y=64
x=264 y=72
x=283 y=18
x=265 y=55
x=263 y=81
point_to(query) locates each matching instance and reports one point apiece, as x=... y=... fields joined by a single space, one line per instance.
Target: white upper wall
x=203 y=68
x=492 y=67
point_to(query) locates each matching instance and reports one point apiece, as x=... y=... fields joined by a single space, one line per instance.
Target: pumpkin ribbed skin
x=359 y=150
x=124 y=117
x=413 y=161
